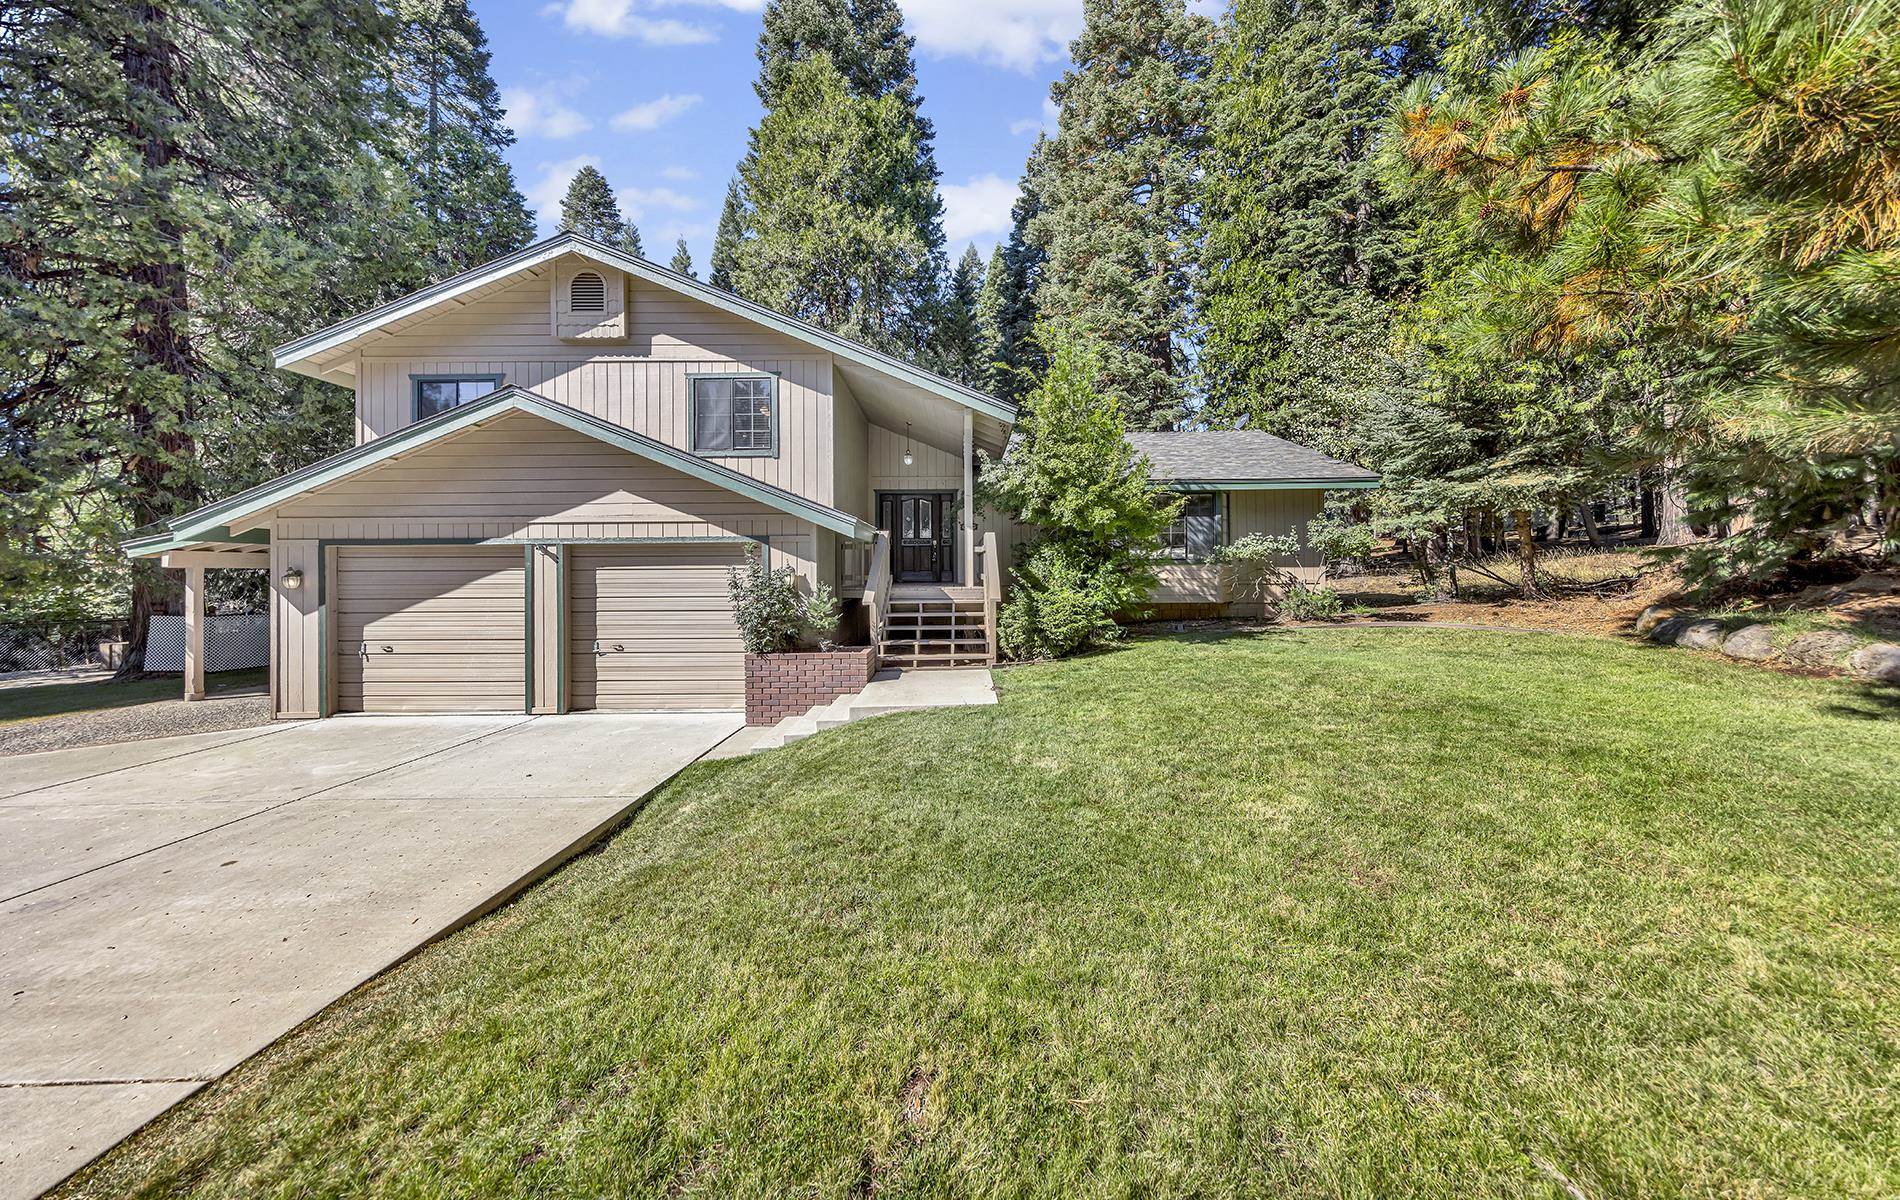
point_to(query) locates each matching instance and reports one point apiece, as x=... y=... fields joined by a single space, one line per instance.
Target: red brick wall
x=786 y=685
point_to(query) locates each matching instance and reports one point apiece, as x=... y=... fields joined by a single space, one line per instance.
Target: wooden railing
x=992 y=567
x=877 y=584
x=852 y=560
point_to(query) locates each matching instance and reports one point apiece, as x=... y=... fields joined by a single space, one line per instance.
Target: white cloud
x=679 y=174
x=976 y=208
x=654 y=113
x=637 y=203
x=734 y=5
x=550 y=184
x=616 y=19
x=1046 y=123
x=1018 y=34
x=541 y=114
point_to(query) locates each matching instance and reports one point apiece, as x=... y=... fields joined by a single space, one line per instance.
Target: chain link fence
x=54 y=645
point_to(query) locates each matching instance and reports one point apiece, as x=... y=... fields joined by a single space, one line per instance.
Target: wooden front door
x=923 y=529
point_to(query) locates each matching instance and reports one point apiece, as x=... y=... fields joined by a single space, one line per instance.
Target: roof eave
x=1270 y=485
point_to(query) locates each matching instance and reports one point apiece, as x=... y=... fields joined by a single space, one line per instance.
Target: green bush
x=764 y=604
x=1339 y=539
x=1302 y=603
x=1060 y=601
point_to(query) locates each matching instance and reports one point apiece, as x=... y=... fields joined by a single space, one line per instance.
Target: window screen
x=1195 y=534
x=440 y=395
x=734 y=416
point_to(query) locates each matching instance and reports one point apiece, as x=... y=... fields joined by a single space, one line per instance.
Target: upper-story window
x=1195 y=534
x=439 y=393
x=735 y=414
x=588 y=293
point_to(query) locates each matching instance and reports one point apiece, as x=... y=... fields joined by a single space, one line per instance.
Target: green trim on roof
x=567 y=242
x=204 y=523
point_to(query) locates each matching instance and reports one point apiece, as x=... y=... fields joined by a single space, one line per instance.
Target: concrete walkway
x=170 y=907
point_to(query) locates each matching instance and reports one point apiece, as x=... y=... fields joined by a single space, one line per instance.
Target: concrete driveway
x=170 y=907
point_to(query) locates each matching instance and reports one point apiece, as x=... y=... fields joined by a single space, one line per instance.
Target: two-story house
x=560 y=454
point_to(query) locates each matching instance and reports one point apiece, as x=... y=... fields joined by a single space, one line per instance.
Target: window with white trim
x=735 y=415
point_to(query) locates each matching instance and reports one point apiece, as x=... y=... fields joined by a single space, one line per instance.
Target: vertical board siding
x=296 y=648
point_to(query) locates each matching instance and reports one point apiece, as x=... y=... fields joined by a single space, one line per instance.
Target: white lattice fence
x=233 y=642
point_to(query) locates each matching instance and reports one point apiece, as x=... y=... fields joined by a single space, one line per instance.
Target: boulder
x=1753 y=642
x=1877 y=662
x=1653 y=616
x=1666 y=631
x=1825 y=649
x=1701 y=634
x=1874 y=583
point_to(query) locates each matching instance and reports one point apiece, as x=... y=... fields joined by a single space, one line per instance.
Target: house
x=560 y=454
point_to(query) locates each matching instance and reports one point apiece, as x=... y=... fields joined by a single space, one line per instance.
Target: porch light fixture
x=907 y=455
x=291 y=579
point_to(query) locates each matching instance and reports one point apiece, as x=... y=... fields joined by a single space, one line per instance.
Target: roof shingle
x=1242 y=456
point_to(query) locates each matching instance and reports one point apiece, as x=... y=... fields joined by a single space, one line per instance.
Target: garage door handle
x=598 y=650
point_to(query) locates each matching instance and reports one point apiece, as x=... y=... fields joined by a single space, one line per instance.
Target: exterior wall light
x=907 y=455
x=291 y=579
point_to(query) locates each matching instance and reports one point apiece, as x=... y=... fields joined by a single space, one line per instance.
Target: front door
x=923 y=529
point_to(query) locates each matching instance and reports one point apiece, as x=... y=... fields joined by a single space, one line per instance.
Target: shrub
x=1302 y=603
x=1060 y=602
x=1257 y=560
x=765 y=604
x=1338 y=539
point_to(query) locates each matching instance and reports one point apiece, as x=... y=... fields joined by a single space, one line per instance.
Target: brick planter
x=785 y=685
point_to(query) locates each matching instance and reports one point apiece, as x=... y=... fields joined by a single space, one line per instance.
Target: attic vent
x=587 y=293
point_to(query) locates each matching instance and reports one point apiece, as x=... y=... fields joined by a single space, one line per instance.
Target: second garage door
x=429 y=629
x=651 y=628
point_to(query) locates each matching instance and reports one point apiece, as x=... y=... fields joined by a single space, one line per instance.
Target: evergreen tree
x=589 y=209
x=838 y=242
x=1117 y=191
x=180 y=190
x=450 y=133
x=1006 y=309
x=727 y=238
x=959 y=340
x=865 y=42
x=682 y=258
x=1297 y=228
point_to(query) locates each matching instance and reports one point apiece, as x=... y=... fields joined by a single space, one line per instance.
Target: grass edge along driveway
x=1303 y=913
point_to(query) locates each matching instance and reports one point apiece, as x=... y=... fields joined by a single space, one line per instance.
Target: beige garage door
x=651 y=628
x=429 y=629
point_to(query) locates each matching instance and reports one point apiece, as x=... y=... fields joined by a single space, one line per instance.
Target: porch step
x=940 y=627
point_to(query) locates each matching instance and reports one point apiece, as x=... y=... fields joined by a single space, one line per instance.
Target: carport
x=252 y=552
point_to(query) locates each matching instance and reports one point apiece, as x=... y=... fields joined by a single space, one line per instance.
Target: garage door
x=429 y=629
x=651 y=628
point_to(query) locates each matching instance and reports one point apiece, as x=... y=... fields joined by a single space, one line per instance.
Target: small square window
x=440 y=393
x=735 y=416
x=1195 y=534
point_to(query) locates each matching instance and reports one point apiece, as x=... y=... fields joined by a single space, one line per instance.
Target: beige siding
x=549 y=590
x=931 y=469
x=430 y=629
x=1269 y=512
x=641 y=384
x=296 y=632
x=651 y=629
x=850 y=458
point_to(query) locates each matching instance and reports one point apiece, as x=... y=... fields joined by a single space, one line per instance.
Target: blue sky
x=658 y=95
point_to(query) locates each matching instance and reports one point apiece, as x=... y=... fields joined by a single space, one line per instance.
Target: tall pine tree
x=726 y=239
x=682 y=258
x=1011 y=358
x=959 y=340
x=589 y=209
x=1117 y=192
x=865 y=44
x=451 y=135
x=1297 y=227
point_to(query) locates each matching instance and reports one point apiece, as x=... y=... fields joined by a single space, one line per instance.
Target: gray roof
x=1243 y=457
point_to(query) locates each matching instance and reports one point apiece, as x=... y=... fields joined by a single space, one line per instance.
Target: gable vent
x=588 y=293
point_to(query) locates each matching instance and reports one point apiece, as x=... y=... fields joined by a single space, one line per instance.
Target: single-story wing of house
x=560 y=454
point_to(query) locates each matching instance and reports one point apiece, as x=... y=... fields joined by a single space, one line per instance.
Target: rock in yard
x=1877 y=661
x=1824 y=649
x=1753 y=642
x=1666 y=631
x=1653 y=616
x=1701 y=635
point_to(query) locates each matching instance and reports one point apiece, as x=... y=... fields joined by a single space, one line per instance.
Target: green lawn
x=53 y=699
x=1318 y=913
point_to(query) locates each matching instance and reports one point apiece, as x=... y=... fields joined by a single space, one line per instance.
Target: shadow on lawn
x=1869 y=702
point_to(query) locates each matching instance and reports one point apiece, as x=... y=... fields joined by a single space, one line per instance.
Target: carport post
x=194 y=633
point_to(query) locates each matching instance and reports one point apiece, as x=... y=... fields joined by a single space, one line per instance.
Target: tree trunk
x=1588 y=520
x=1647 y=506
x=159 y=465
x=1527 y=556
